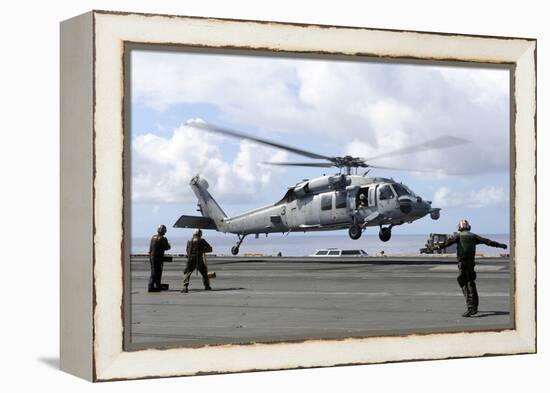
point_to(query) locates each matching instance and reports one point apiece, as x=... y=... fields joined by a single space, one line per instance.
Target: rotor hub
x=349 y=162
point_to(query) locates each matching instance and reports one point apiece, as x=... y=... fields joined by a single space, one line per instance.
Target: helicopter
x=345 y=200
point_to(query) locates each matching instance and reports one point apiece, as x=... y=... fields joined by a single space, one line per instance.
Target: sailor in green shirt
x=466 y=242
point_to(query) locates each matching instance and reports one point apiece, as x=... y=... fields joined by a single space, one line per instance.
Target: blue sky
x=329 y=107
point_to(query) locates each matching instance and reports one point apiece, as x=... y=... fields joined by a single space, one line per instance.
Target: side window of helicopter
x=386 y=192
x=341 y=200
x=326 y=202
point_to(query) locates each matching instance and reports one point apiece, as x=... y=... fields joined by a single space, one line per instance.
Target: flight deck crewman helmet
x=161 y=230
x=464 y=225
x=197 y=232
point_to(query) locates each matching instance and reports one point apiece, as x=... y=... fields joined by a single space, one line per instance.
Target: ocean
x=303 y=244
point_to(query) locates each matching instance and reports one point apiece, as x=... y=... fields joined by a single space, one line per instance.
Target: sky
x=326 y=106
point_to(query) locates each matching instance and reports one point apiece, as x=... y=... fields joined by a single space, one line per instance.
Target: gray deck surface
x=269 y=299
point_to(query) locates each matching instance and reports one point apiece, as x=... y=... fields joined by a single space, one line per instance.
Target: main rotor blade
x=239 y=135
x=442 y=142
x=423 y=170
x=401 y=169
x=311 y=164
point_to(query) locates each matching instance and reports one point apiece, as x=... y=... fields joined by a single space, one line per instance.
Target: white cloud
x=368 y=109
x=488 y=196
x=163 y=166
x=389 y=114
x=481 y=86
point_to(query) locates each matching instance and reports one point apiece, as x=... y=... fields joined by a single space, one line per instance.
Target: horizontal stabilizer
x=195 y=222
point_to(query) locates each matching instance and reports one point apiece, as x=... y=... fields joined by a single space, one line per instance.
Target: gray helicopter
x=345 y=200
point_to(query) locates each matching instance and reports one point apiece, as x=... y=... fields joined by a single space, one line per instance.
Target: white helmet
x=197 y=232
x=464 y=225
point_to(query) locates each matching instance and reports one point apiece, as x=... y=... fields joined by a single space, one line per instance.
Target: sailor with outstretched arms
x=466 y=242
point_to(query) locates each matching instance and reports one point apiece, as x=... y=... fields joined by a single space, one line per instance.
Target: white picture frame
x=93 y=194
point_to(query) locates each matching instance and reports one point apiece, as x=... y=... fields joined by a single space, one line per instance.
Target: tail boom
x=208 y=206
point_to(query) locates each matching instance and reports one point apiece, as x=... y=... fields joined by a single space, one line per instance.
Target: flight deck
x=273 y=299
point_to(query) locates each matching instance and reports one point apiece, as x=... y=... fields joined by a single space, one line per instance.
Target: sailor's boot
x=467 y=297
x=206 y=282
x=474 y=302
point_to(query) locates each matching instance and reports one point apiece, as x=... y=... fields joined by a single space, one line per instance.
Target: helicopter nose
x=424 y=207
x=413 y=206
x=421 y=207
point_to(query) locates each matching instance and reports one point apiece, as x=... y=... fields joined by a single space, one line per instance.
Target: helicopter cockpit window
x=326 y=202
x=386 y=192
x=341 y=200
x=411 y=192
x=400 y=190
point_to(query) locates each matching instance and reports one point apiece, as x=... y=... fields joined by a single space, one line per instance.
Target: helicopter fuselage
x=333 y=202
x=325 y=203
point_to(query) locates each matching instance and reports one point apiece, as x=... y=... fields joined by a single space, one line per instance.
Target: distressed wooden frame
x=92 y=193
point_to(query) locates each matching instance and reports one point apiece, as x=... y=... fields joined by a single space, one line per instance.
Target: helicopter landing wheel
x=355 y=231
x=384 y=234
x=235 y=248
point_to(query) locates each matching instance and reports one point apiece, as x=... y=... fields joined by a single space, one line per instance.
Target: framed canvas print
x=248 y=195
